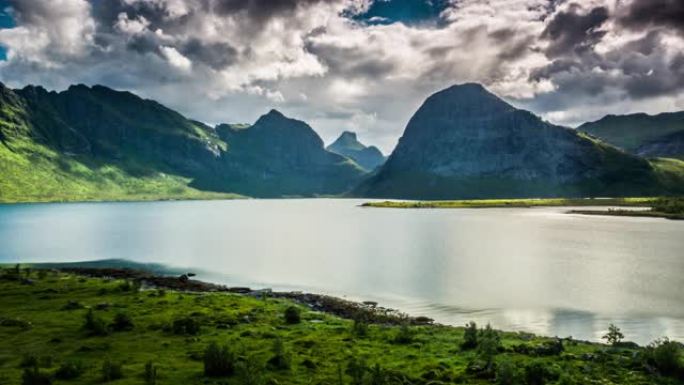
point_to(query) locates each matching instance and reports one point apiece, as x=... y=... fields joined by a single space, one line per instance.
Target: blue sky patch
x=6 y=21
x=409 y=12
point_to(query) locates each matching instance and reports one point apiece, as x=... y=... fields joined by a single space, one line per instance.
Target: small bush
x=93 y=324
x=72 y=305
x=614 y=335
x=356 y=369
x=150 y=374
x=469 y=336
x=292 y=315
x=69 y=370
x=536 y=373
x=360 y=326
x=506 y=373
x=111 y=371
x=664 y=355
x=122 y=322
x=219 y=361
x=404 y=335
x=33 y=376
x=29 y=361
x=281 y=359
x=185 y=326
x=251 y=371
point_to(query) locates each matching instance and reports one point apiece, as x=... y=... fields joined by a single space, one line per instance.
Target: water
x=538 y=270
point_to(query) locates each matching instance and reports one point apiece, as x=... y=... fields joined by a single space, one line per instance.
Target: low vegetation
x=492 y=203
x=65 y=328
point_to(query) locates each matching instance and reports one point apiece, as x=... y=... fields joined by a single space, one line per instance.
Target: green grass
x=34 y=173
x=494 y=203
x=320 y=348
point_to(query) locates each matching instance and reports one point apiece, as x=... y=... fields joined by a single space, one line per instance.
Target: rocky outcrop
x=368 y=157
x=465 y=142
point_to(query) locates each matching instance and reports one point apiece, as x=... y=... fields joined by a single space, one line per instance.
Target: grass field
x=490 y=203
x=34 y=173
x=158 y=336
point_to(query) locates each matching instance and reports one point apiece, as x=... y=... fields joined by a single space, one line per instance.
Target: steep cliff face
x=465 y=142
x=646 y=135
x=368 y=157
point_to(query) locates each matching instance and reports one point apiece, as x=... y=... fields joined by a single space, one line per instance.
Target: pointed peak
x=348 y=135
x=469 y=98
x=275 y=113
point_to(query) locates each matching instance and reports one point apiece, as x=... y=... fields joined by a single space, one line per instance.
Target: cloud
x=641 y=14
x=572 y=31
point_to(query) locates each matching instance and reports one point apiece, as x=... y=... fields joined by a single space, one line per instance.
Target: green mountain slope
x=368 y=157
x=466 y=143
x=659 y=135
x=97 y=143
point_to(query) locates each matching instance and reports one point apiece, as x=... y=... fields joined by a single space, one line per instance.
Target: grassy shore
x=522 y=203
x=66 y=328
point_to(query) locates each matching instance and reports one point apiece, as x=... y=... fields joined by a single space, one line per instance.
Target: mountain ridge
x=347 y=144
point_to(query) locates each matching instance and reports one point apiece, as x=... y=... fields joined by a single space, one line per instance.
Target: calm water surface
x=537 y=270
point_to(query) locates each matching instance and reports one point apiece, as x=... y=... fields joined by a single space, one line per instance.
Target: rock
x=464 y=142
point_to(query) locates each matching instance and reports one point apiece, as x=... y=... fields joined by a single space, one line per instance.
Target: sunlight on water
x=536 y=270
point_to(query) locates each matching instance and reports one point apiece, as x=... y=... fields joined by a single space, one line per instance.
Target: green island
x=670 y=208
x=118 y=326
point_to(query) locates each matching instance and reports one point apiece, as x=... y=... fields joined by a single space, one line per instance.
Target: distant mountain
x=659 y=135
x=98 y=143
x=348 y=145
x=279 y=156
x=465 y=142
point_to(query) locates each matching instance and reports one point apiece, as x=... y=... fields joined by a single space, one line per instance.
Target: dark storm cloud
x=643 y=14
x=574 y=31
x=216 y=55
x=261 y=10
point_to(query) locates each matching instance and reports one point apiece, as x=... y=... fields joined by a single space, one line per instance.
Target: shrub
x=506 y=373
x=469 y=336
x=29 y=361
x=251 y=371
x=93 y=324
x=360 y=326
x=185 y=326
x=356 y=369
x=111 y=371
x=69 y=370
x=33 y=376
x=218 y=361
x=664 y=355
x=150 y=374
x=404 y=335
x=614 y=335
x=281 y=359
x=122 y=322
x=536 y=373
x=489 y=343
x=292 y=315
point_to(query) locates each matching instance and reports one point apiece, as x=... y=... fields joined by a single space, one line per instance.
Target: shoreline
x=629 y=213
x=369 y=310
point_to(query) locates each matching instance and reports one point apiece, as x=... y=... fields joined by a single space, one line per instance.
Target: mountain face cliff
x=650 y=136
x=465 y=142
x=279 y=156
x=88 y=140
x=368 y=157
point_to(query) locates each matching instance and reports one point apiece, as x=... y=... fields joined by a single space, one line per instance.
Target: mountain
x=659 y=135
x=348 y=145
x=279 y=156
x=98 y=143
x=465 y=142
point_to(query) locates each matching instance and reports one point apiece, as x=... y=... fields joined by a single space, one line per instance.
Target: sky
x=359 y=65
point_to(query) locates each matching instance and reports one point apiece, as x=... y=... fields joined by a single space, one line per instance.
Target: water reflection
x=537 y=270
